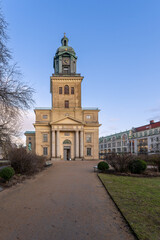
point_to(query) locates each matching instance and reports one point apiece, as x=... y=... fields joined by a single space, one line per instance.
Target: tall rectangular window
x=45 y=137
x=45 y=151
x=72 y=90
x=88 y=138
x=88 y=151
x=60 y=90
x=66 y=104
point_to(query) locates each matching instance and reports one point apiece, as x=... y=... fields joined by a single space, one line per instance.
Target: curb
x=130 y=227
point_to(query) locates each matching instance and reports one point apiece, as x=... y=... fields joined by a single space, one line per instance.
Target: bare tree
x=15 y=96
x=14 y=93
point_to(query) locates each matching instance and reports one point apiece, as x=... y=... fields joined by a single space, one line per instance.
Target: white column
x=128 y=145
x=135 y=146
x=81 y=137
x=58 y=153
x=149 y=144
x=77 y=144
x=121 y=146
x=53 y=144
x=131 y=146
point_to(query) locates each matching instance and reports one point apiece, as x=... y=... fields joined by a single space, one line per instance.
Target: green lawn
x=139 y=200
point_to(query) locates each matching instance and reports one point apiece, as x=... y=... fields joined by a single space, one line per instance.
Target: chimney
x=152 y=121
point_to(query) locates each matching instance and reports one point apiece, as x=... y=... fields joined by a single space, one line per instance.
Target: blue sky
x=118 y=48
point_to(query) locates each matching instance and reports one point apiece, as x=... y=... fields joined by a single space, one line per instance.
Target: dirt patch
x=17 y=178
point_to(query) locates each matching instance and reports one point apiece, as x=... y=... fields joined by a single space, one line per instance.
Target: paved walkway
x=65 y=202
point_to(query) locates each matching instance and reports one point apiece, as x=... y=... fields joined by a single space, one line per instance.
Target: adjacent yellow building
x=66 y=131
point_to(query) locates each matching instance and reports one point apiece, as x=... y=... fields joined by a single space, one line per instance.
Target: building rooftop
x=43 y=108
x=117 y=135
x=89 y=108
x=29 y=132
x=151 y=125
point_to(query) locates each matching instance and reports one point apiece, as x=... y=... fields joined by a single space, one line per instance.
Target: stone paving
x=65 y=202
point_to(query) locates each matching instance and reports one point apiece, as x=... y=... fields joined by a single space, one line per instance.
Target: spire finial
x=64 y=35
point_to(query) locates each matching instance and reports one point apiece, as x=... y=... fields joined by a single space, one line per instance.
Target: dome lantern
x=64 y=40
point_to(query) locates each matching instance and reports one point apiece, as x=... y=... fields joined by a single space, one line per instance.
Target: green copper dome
x=65 y=59
x=65 y=48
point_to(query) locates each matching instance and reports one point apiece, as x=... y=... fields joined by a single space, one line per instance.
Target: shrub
x=7 y=173
x=155 y=160
x=25 y=163
x=138 y=166
x=103 y=166
x=120 y=162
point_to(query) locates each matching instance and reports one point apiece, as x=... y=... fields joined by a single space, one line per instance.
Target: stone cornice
x=92 y=125
x=66 y=78
x=90 y=110
x=41 y=124
x=42 y=109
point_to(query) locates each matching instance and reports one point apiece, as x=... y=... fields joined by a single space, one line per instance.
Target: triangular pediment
x=68 y=120
x=67 y=53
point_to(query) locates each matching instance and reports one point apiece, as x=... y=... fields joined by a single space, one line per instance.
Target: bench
x=95 y=169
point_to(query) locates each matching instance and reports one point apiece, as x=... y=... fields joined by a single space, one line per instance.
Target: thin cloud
x=109 y=130
x=154 y=109
x=114 y=119
x=157 y=117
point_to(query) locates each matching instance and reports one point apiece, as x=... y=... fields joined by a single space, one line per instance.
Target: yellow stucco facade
x=66 y=131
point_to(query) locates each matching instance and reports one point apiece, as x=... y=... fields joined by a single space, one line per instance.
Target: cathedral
x=66 y=131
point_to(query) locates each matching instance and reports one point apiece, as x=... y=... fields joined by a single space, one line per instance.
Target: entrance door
x=67 y=153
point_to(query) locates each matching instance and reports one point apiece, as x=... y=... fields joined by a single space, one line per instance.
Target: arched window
x=124 y=137
x=30 y=146
x=65 y=43
x=66 y=89
x=67 y=141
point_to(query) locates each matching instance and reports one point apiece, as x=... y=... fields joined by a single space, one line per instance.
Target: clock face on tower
x=65 y=61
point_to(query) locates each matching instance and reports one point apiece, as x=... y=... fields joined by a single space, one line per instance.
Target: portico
x=69 y=138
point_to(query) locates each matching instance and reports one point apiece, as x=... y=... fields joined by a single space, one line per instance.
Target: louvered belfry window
x=66 y=89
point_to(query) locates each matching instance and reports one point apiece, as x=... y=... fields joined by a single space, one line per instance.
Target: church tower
x=66 y=131
x=65 y=82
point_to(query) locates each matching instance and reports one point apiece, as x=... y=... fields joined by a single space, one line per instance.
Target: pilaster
x=81 y=146
x=77 y=144
x=53 y=144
